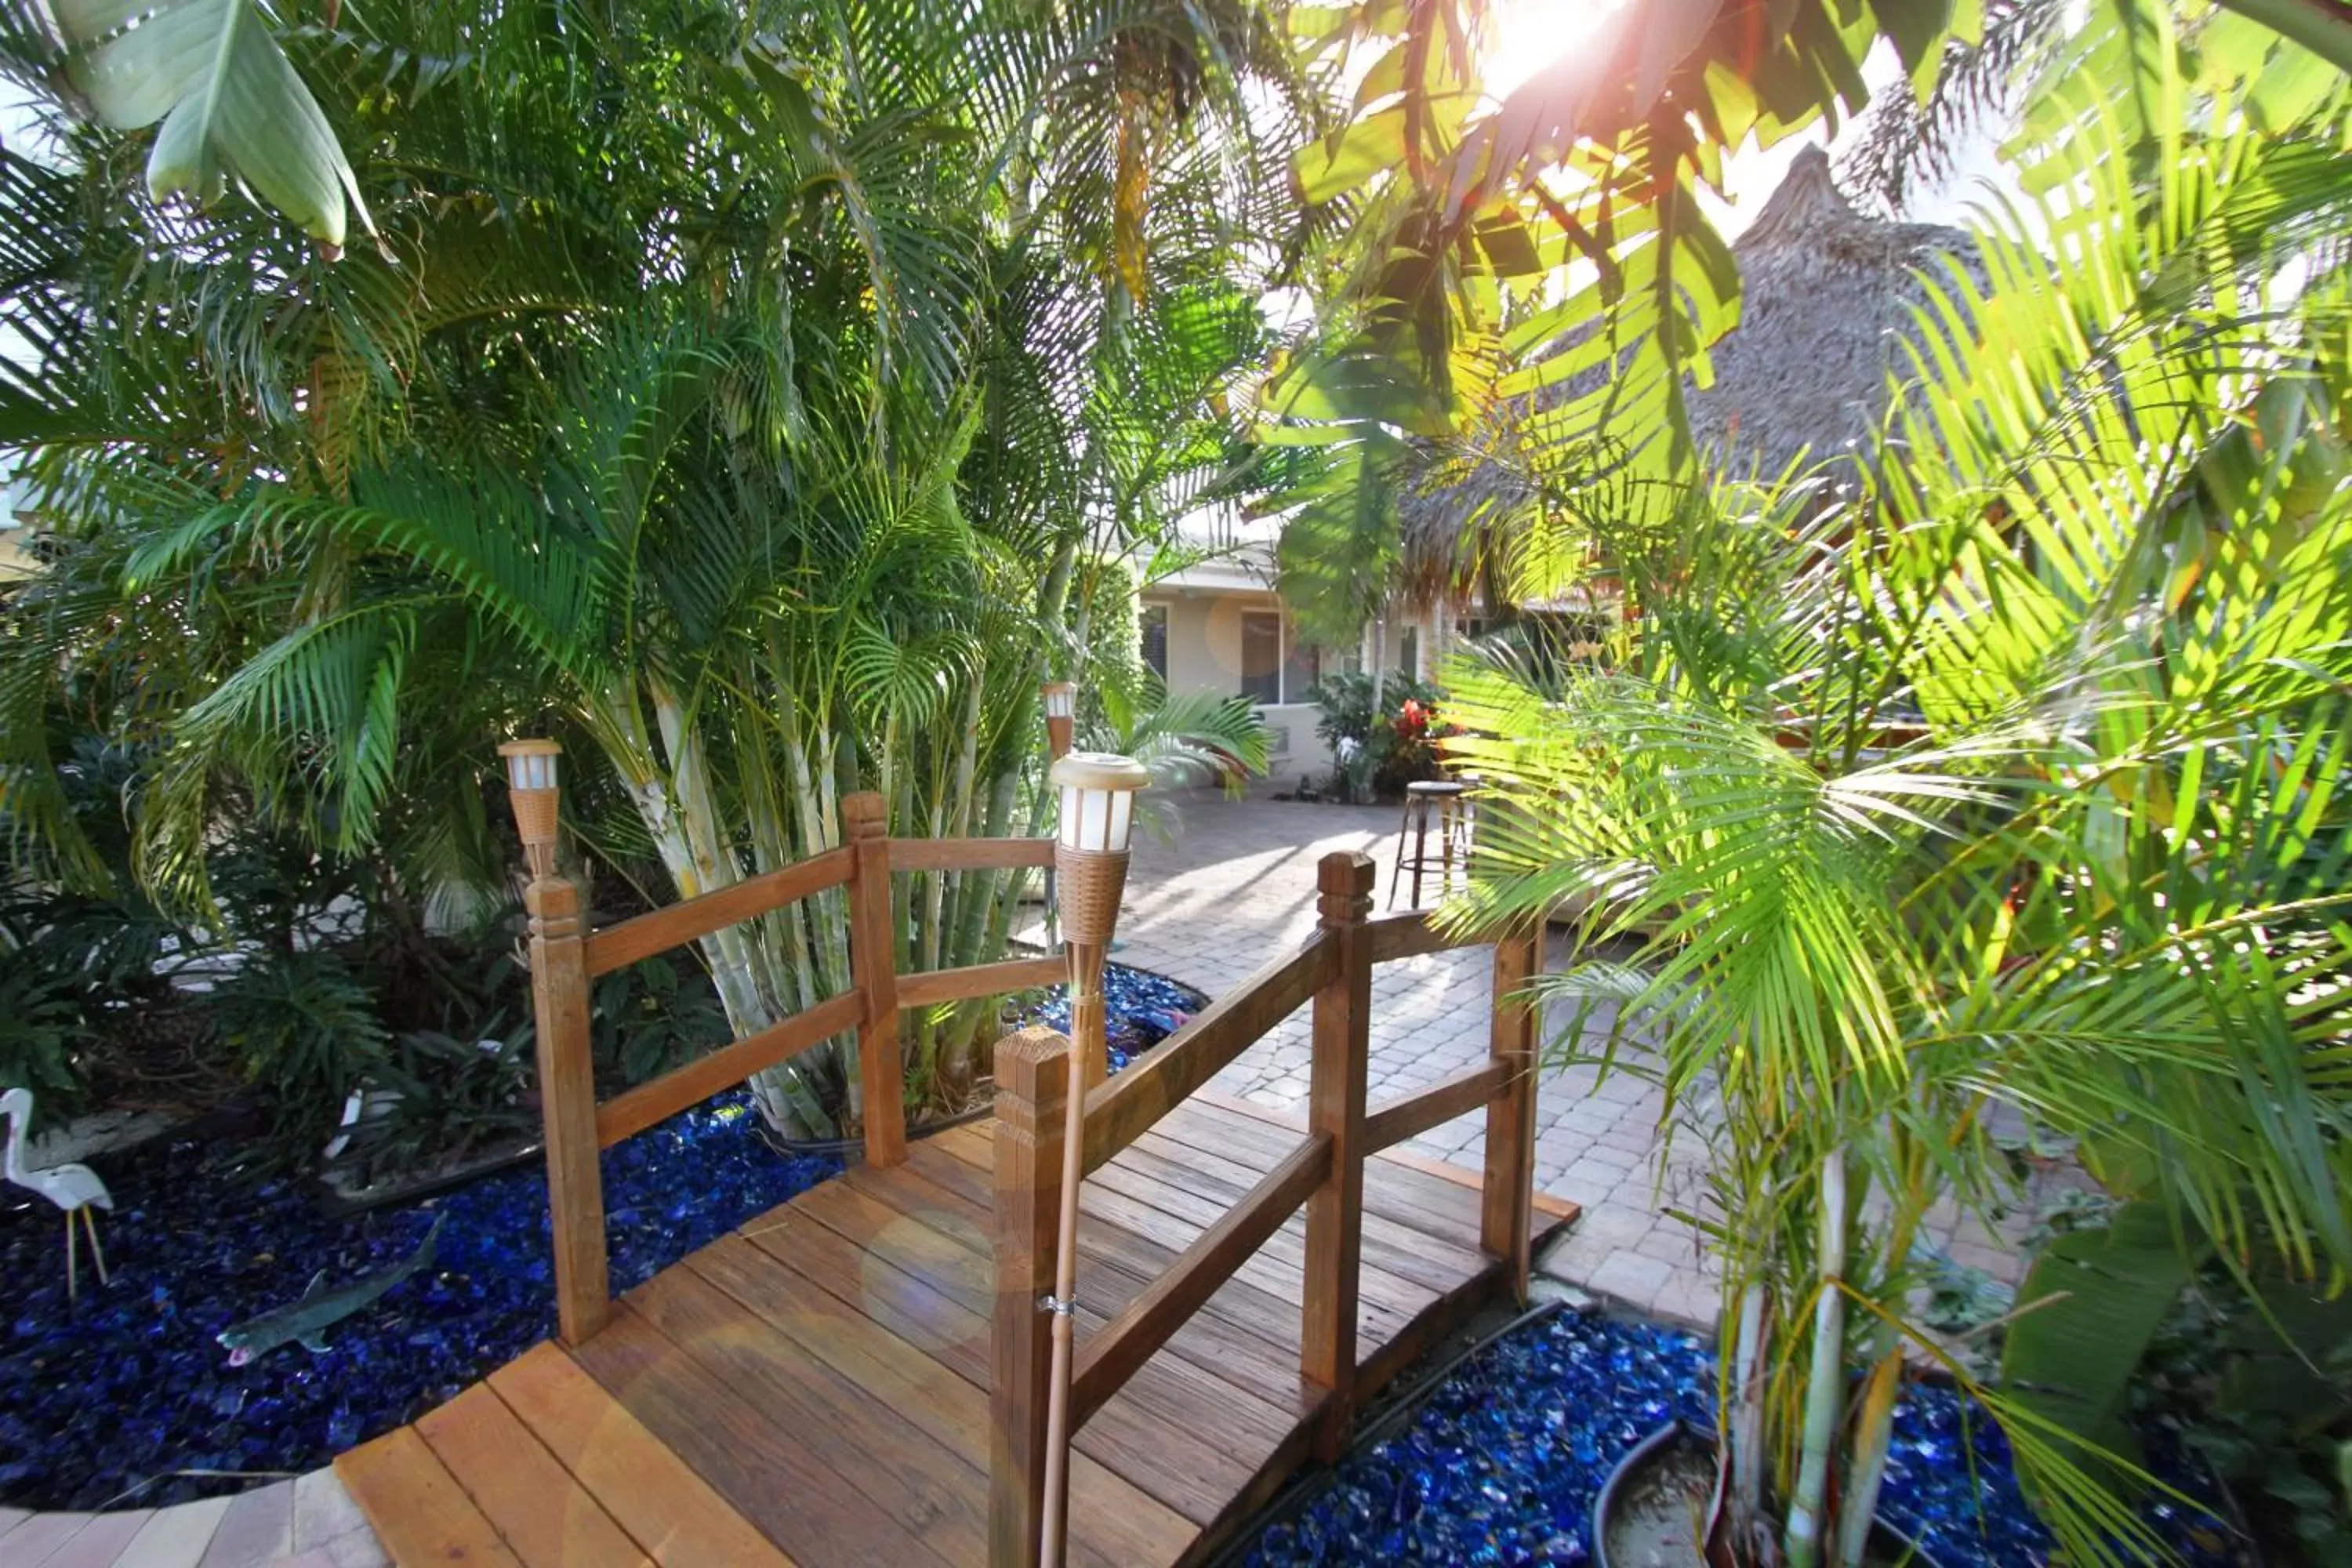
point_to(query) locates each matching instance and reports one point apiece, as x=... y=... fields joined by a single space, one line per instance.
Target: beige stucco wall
x=1205 y=653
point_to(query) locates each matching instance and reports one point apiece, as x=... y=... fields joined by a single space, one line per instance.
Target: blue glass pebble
x=123 y=1397
x=1502 y=1462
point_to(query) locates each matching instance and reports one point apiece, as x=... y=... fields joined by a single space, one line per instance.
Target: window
x=1262 y=655
x=1408 y=654
x=1300 y=672
x=1154 y=624
x=1470 y=629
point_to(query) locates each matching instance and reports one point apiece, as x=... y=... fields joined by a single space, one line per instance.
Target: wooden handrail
x=627 y=1114
x=970 y=854
x=1326 y=1173
x=617 y=947
x=1409 y=935
x=1394 y=1120
x=1114 y=1352
x=930 y=988
x=1122 y=1109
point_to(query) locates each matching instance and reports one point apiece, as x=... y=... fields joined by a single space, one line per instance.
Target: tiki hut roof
x=1826 y=294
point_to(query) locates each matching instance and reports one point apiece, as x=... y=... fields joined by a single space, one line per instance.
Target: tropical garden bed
x=1503 y=1461
x=197 y=1246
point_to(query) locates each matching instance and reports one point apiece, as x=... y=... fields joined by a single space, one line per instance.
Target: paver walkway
x=1234 y=885
x=310 y=1523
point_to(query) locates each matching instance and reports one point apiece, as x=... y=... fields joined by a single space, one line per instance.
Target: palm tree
x=2018 y=780
x=730 y=395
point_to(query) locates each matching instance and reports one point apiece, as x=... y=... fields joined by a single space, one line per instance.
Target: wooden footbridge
x=859 y=1376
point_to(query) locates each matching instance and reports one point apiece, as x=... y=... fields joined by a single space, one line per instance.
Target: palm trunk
x=1825 y=1381
x=1744 y=1422
x=1874 y=1434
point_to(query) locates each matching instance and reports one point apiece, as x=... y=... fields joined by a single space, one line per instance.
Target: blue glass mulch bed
x=1503 y=1461
x=124 y=1397
x=1140 y=1010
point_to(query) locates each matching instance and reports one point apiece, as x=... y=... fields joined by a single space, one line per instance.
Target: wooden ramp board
x=813 y=1389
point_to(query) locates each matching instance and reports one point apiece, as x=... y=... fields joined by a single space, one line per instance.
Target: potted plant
x=1985 y=787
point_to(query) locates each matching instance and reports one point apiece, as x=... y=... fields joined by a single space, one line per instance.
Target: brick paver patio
x=1233 y=885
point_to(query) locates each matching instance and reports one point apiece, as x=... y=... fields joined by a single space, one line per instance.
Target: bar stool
x=1445 y=800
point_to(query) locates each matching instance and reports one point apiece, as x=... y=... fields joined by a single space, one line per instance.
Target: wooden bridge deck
x=814 y=1387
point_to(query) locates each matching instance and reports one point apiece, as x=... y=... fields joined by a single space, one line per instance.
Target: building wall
x=1205 y=653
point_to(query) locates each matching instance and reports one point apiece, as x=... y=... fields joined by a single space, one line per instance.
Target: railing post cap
x=864 y=814
x=1030 y=1060
x=1344 y=878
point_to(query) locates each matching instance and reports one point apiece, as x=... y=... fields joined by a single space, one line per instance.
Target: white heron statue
x=73 y=1188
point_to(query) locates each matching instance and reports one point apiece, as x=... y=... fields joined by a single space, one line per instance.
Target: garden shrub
x=1375 y=754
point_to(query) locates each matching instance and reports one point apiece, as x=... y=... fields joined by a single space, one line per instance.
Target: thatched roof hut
x=1826 y=298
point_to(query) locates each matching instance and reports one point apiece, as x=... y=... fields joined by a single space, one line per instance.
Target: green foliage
x=305 y=1031
x=1195 y=738
x=233 y=111
x=1377 y=751
x=445 y=1099
x=646 y=1020
x=738 y=399
x=41 y=1027
x=2251 y=1367
x=2087 y=1310
x=2017 y=780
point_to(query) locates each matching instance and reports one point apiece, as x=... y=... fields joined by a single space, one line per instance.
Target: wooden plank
x=776 y=1478
x=567 y=1101
x=969 y=854
x=416 y=1507
x=1113 y=1523
x=1163 y=1076
x=1113 y=1354
x=1547 y=1206
x=1175 y=1432
x=892 y=1463
x=1410 y=1116
x=930 y=988
x=1142 y=1224
x=617 y=947
x=1032 y=1090
x=1409 y=934
x=1335 y=1109
x=626 y=1115
x=1407 y=1206
x=873 y=948
x=1243 y=1340
x=877 y=1286
x=1506 y=1209
x=649 y=1490
x=1402 y=1267
x=547 y=1518
x=1241 y=1119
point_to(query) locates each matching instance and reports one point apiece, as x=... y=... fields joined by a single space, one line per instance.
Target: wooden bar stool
x=1444 y=800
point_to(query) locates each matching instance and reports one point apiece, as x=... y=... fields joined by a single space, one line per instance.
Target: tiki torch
x=1098 y=813
x=531 y=788
x=1061 y=716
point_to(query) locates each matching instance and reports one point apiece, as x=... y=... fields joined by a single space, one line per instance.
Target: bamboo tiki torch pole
x=1090 y=854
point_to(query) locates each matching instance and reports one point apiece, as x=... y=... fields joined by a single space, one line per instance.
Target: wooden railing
x=1325 y=1171
x=564 y=957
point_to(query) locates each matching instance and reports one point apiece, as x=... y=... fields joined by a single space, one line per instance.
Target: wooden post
x=1032 y=1081
x=567 y=1100
x=1335 y=1214
x=873 y=962
x=1508 y=1201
